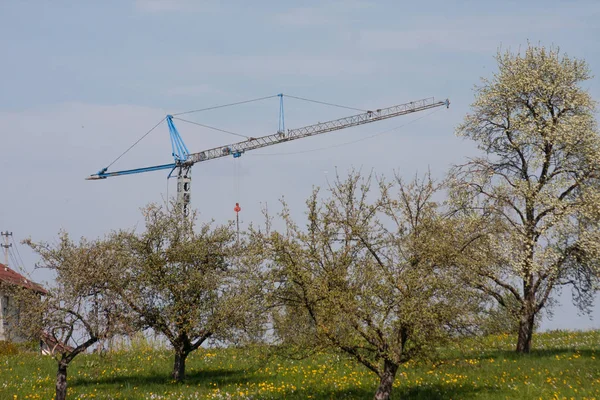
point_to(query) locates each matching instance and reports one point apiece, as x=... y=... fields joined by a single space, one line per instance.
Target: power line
x=225 y=105
x=19 y=267
x=327 y=104
x=136 y=142
x=17 y=249
x=211 y=127
x=346 y=143
x=13 y=259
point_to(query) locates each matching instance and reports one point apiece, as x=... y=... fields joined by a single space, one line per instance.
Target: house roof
x=10 y=276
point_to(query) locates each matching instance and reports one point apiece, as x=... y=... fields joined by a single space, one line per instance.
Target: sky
x=80 y=81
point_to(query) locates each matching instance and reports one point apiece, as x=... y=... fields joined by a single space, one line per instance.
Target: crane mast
x=184 y=160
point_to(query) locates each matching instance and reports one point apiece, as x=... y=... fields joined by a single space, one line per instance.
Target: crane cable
x=265 y=98
x=211 y=127
x=225 y=105
x=237 y=169
x=136 y=142
x=222 y=130
x=236 y=188
x=249 y=101
x=325 y=103
x=189 y=112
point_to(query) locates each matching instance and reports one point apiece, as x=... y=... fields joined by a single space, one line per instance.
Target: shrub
x=8 y=348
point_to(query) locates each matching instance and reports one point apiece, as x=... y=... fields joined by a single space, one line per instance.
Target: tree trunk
x=179 y=366
x=386 y=380
x=526 y=327
x=61 y=381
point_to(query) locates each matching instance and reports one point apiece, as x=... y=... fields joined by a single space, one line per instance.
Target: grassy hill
x=564 y=365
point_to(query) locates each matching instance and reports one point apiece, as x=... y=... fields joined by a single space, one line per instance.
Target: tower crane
x=184 y=160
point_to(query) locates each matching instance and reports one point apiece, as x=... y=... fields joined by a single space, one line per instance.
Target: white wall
x=8 y=311
x=2 y=317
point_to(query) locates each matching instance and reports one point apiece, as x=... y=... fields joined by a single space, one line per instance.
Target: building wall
x=9 y=314
x=3 y=311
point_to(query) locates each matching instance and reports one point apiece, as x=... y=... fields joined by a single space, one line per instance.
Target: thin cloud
x=327 y=13
x=192 y=90
x=304 y=17
x=281 y=65
x=468 y=34
x=156 y=6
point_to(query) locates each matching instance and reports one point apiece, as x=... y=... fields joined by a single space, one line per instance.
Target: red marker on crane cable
x=237 y=209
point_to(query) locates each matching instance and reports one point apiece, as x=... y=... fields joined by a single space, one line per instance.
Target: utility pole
x=6 y=245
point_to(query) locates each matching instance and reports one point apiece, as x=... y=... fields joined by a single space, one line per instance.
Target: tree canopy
x=189 y=283
x=536 y=183
x=77 y=310
x=368 y=275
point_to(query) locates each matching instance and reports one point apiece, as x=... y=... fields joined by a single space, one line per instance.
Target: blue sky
x=81 y=80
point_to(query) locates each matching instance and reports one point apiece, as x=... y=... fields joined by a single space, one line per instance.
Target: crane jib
x=184 y=160
x=237 y=149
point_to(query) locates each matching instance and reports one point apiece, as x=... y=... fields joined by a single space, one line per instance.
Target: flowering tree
x=189 y=284
x=367 y=275
x=537 y=183
x=77 y=310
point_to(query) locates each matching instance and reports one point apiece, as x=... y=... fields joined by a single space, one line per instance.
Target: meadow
x=564 y=365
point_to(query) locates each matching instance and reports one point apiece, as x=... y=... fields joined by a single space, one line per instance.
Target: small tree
x=537 y=183
x=77 y=311
x=188 y=285
x=367 y=276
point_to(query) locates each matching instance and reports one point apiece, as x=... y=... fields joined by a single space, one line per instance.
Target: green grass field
x=564 y=365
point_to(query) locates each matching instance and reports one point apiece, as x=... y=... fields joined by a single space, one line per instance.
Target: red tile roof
x=10 y=276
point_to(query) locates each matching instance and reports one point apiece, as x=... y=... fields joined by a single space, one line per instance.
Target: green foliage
x=29 y=346
x=190 y=282
x=535 y=186
x=138 y=342
x=78 y=310
x=564 y=365
x=8 y=348
x=368 y=275
x=496 y=319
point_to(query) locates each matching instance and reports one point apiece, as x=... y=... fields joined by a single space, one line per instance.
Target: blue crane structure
x=184 y=160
